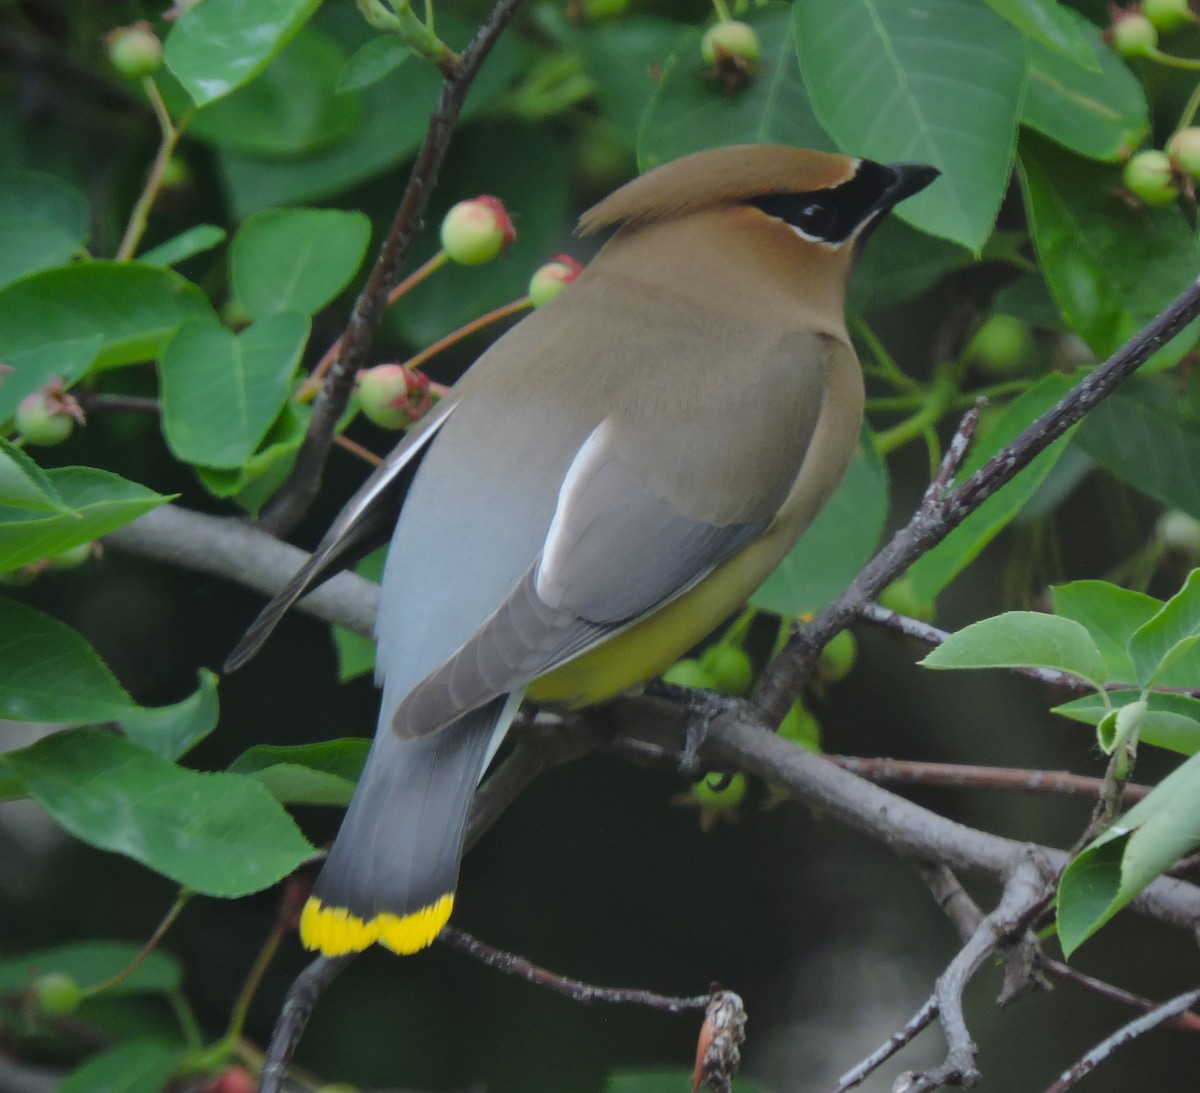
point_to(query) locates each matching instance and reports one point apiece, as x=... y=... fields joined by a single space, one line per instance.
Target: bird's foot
x=703 y=708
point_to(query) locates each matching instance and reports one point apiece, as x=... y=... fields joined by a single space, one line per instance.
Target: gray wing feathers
x=366 y=522
x=614 y=552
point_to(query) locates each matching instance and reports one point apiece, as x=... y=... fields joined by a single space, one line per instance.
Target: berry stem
x=357 y=449
x=886 y=367
x=502 y=312
x=309 y=388
x=1171 y=61
x=722 y=10
x=938 y=399
x=171 y=133
x=168 y=919
x=1189 y=111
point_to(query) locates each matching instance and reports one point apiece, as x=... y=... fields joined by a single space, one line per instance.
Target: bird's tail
x=393 y=869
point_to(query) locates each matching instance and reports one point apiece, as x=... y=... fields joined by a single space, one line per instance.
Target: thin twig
x=292 y=500
x=310 y=984
x=1157 y=1016
x=952 y=461
x=575 y=989
x=934 y=520
x=170 y=132
x=1024 y=894
x=857 y=1074
x=1188 y=1021
x=93 y=402
x=911 y=772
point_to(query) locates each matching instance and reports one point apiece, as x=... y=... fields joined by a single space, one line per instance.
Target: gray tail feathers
x=391 y=874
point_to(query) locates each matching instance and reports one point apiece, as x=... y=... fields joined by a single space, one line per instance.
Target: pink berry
x=475 y=231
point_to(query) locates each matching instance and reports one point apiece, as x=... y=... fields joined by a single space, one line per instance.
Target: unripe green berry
x=1184 y=151
x=1167 y=15
x=72 y=557
x=41 y=422
x=730 y=668
x=234 y=314
x=900 y=596
x=837 y=658
x=718 y=793
x=550 y=279
x=1149 y=176
x=729 y=40
x=603 y=9
x=689 y=673
x=134 y=51
x=1002 y=346
x=383 y=395
x=1133 y=34
x=800 y=727
x=475 y=231
x=56 y=994
x=1179 y=531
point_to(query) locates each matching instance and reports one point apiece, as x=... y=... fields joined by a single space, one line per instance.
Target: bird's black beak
x=910 y=178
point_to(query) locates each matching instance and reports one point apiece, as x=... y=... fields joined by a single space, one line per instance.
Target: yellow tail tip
x=334 y=931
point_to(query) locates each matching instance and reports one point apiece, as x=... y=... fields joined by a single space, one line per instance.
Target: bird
x=606 y=485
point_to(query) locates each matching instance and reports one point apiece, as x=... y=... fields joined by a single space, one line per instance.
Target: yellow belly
x=651 y=645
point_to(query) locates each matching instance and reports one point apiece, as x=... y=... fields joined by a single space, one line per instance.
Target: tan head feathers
x=715 y=177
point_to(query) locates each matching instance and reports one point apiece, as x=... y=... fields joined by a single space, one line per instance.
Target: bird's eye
x=814 y=219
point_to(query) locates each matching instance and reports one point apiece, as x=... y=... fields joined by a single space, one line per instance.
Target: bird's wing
x=635 y=526
x=365 y=523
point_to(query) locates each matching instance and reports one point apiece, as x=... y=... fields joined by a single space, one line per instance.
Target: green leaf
x=130 y=307
x=939 y=81
x=1028 y=298
x=43 y=223
x=901 y=263
x=1053 y=27
x=1163 y=639
x=492 y=159
x=253 y=483
x=49 y=673
x=296 y=259
x=186 y=244
x=1172 y=720
x=1111 y=614
x=23 y=484
x=1110 y=267
x=372 y=61
x=1149 y=438
x=291 y=109
x=95 y=503
x=356 y=654
x=691 y=111
x=1022 y=639
x=1137 y=848
x=91 y=963
x=135 y=1066
x=310 y=774
x=387 y=133
x=219 y=45
x=841 y=539
x=170 y=731
x=221 y=391
x=219 y=834
x=939 y=565
x=1101 y=114
x=619 y=58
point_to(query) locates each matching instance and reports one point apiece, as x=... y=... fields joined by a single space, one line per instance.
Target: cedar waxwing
x=605 y=486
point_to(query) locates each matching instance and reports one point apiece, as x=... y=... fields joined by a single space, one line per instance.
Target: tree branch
x=1177 y=1005
x=293 y=498
x=938 y=516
